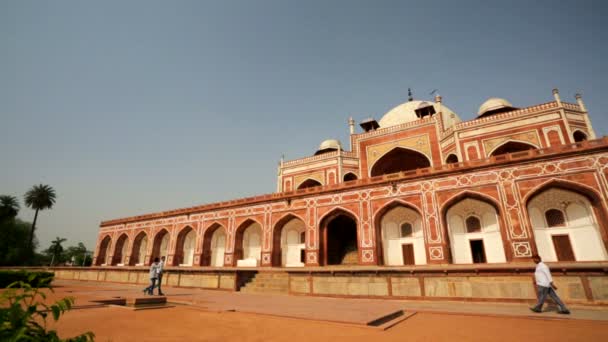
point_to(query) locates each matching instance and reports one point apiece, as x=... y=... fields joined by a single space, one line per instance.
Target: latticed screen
x=406 y=230
x=473 y=225
x=555 y=218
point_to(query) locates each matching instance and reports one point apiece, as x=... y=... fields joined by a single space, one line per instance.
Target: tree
x=39 y=197
x=9 y=207
x=78 y=254
x=56 y=249
x=13 y=242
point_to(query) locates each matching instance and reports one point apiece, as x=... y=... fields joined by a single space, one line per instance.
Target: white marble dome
x=330 y=144
x=405 y=113
x=492 y=104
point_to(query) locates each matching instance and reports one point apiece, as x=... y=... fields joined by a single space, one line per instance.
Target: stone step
x=351 y=258
x=268 y=286
x=263 y=275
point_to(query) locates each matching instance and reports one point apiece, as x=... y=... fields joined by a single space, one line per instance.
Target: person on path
x=160 y=275
x=153 y=276
x=545 y=285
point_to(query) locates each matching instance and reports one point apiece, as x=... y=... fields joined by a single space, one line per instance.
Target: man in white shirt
x=161 y=267
x=545 y=285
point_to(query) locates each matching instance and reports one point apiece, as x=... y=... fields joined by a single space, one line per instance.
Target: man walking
x=161 y=267
x=153 y=276
x=545 y=285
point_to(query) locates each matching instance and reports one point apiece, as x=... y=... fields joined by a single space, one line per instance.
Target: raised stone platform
x=585 y=283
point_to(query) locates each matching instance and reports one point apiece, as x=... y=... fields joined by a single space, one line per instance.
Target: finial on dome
x=579 y=100
x=556 y=96
x=409 y=94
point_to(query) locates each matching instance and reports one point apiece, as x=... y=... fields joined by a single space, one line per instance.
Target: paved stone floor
x=225 y=316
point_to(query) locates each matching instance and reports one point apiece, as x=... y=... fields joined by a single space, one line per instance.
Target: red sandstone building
x=418 y=187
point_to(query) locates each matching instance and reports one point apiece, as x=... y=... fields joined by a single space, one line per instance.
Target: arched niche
x=289 y=242
x=401 y=236
x=339 y=239
x=120 y=250
x=512 y=147
x=398 y=160
x=184 y=248
x=138 y=252
x=248 y=244
x=214 y=246
x=309 y=183
x=104 y=251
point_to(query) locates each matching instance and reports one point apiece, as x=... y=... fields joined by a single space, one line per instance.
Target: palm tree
x=39 y=197
x=9 y=206
x=56 y=248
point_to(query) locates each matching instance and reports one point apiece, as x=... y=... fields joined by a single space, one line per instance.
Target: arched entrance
x=338 y=239
x=120 y=251
x=214 y=246
x=309 y=183
x=565 y=226
x=512 y=147
x=248 y=244
x=400 y=236
x=579 y=136
x=350 y=177
x=138 y=252
x=184 y=248
x=399 y=159
x=288 y=242
x=104 y=251
x=161 y=245
x=474 y=230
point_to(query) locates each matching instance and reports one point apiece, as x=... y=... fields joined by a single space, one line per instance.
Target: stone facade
x=448 y=175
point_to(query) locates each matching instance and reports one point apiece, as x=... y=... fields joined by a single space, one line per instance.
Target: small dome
x=406 y=112
x=494 y=105
x=329 y=145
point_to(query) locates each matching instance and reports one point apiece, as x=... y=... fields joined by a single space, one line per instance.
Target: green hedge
x=34 y=278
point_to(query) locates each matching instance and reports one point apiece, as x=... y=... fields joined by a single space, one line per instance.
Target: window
x=303 y=237
x=406 y=230
x=452 y=159
x=555 y=218
x=473 y=225
x=579 y=136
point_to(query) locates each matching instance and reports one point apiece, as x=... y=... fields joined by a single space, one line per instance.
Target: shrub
x=23 y=314
x=32 y=278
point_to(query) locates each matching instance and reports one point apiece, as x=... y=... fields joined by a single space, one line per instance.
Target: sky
x=131 y=107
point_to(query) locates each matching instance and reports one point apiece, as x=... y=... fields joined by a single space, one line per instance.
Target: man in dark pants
x=160 y=275
x=545 y=285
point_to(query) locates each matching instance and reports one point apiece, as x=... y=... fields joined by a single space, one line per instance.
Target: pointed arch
x=350 y=176
x=399 y=159
x=157 y=251
x=452 y=159
x=594 y=198
x=277 y=248
x=183 y=242
x=213 y=253
x=579 y=136
x=512 y=146
x=138 y=251
x=335 y=247
x=102 y=254
x=239 y=248
x=467 y=194
x=309 y=183
x=381 y=259
x=120 y=248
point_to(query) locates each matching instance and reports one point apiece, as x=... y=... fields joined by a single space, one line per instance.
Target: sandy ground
x=199 y=323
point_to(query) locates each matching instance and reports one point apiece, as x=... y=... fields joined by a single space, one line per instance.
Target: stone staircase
x=268 y=282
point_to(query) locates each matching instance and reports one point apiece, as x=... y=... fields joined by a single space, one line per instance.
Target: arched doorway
x=289 y=242
x=400 y=236
x=565 y=226
x=248 y=244
x=451 y=159
x=104 y=251
x=474 y=231
x=184 y=248
x=161 y=244
x=338 y=239
x=399 y=159
x=512 y=147
x=138 y=252
x=309 y=183
x=214 y=246
x=579 y=136
x=350 y=177
x=120 y=250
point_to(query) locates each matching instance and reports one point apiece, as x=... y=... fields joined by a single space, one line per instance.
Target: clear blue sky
x=131 y=107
